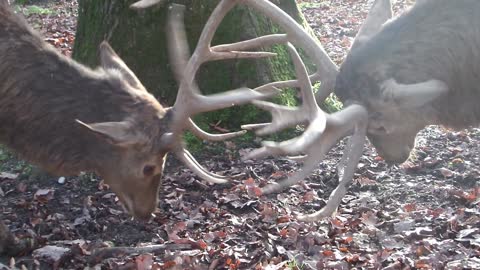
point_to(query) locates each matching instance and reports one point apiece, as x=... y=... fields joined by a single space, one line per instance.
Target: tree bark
x=139 y=38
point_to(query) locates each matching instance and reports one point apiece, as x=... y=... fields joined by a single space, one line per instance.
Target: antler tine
x=326 y=68
x=284 y=116
x=309 y=164
x=212 y=137
x=327 y=83
x=339 y=125
x=143 y=4
x=178 y=49
x=354 y=117
x=239 y=55
x=183 y=155
x=258 y=42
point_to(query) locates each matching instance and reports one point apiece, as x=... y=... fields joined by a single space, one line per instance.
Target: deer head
x=396 y=110
x=142 y=140
x=134 y=167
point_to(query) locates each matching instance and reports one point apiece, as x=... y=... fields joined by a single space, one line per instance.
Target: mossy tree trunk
x=139 y=38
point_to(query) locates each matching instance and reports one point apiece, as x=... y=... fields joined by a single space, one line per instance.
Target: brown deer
x=421 y=68
x=68 y=118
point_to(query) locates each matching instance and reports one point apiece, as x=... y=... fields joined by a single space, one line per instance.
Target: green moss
x=303 y=5
x=193 y=142
x=331 y=103
x=9 y=162
x=33 y=9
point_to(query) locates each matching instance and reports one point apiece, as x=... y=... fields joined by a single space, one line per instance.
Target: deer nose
x=143 y=211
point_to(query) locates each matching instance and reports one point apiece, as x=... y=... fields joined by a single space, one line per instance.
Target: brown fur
x=42 y=93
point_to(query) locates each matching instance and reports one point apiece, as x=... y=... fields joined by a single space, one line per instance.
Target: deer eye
x=148 y=170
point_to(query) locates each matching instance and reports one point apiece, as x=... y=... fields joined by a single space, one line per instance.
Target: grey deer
x=401 y=74
x=68 y=118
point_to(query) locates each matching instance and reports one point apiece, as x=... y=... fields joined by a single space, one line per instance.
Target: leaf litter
x=423 y=214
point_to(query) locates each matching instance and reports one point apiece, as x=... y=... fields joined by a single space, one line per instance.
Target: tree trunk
x=139 y=38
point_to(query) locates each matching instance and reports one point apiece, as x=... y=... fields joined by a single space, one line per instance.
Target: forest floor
x=424 y=214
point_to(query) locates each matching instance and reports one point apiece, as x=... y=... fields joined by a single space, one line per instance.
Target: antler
x=323 y=130
x=189 y=99
x=295 y=34
x=143 y=4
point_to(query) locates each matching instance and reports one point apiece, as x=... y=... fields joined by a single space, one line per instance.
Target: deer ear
x=110 y=60
x=380 y=12
x=413 y=95
x=116 y=133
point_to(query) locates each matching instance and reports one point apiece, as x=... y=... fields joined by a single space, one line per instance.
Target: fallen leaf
x=409 y=207
x=43 y=195
x=446 y=172
x=144 y=262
